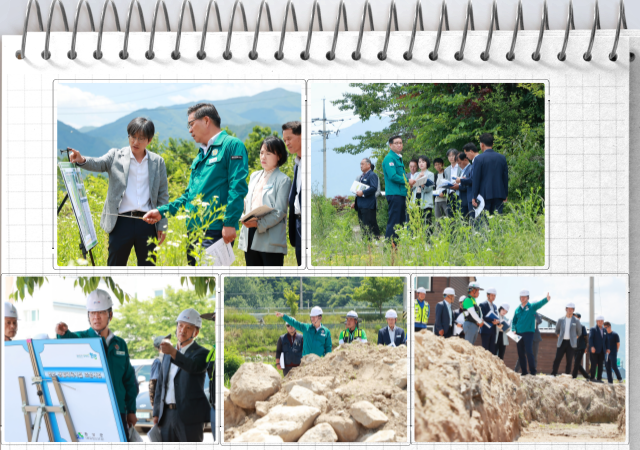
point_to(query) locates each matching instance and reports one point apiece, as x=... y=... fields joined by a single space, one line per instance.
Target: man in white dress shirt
x=137 y=184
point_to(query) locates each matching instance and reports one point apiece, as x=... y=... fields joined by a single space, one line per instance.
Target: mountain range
x=270 y=108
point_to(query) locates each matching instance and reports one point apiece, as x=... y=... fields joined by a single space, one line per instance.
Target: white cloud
x=69 y=98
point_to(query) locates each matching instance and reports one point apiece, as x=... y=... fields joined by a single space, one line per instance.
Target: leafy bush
x=232 y=362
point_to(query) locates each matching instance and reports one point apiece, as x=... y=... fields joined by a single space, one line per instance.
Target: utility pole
x=325 y=134
x=300 y=292
x=591 y=303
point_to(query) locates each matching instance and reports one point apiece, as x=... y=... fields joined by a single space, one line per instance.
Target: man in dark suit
x=292 y=137
x=488 y=332
x=464 y=167
x=391 y=334
x=444 y=314
x=466 y=180
x=490 y=177
x=579 y=353
x=181 y=408
x=597 y=349
x=365 y=203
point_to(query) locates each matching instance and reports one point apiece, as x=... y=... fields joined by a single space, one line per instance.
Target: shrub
x=232 y=362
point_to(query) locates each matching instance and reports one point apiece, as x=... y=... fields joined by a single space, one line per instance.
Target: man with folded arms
x=568 y=329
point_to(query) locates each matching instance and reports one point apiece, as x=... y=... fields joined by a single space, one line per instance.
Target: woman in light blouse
x=264 y=240
x=421 y=193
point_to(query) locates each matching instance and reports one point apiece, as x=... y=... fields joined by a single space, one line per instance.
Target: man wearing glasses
x=218 y=173
x=123 y=377
x=289 y=350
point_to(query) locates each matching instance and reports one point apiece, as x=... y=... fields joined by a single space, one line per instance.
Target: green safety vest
x=211 y=358
x=346 y=336
x=422 y=314
x=467 y=304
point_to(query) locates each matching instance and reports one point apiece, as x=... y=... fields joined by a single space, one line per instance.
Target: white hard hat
x=600 y=318
x=571 y=305
x=99 y=300
x=10 y=310
x=462 y=298
x=41 y=336
x=315 y=311
x=191 y=316
x=352 y=315
x=421 y=290
x=492 y=291
x=391 y=314
x=505 y=306
x=449 y=291
x=475 y=285
x=524 y=293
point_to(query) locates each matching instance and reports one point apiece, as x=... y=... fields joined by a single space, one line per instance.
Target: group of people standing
x=471 y=175
x=138 y=189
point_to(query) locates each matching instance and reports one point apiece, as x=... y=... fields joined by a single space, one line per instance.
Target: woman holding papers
x=502 y=340
x=423 y=189
x=263 y=237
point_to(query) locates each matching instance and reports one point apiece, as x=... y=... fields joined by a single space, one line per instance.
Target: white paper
x=421 y=181
x=282 y=361
x=259 y=212
x=357 y=186
x=221 y=253
x=480 y=207
x=514 y=336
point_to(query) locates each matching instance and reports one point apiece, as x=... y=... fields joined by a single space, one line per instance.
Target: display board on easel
x=70 y=377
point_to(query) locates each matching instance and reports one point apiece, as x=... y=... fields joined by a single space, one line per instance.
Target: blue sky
x=96 y=104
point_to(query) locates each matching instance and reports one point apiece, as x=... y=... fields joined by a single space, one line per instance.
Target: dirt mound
x=358 y=389
x=622 y=421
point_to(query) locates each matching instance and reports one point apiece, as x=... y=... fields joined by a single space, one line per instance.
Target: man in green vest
x=353 y=331
x=211 y=371
x=421 y=310
x=395 y=190
x=524 y=325
x=472 y=313
x=123 y=377
x=219 y=173
x=316 y=337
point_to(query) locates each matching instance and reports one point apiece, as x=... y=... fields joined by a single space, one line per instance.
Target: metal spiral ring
x=342 y=11
x=622 y=22
x=459 y=56
x=201 y=53
x=71 y=54
x=279 y=55
x=511 y=53
x=227 y=52
x=305 y=54
x=544 y=25
x=46 y=54
x=596 y=25
x=20 y=54
x=150 y=54
x=175 y=55
x=570 y=26
x=393 y=13
x=123 y=53
x=444 y=17
x=409 y=53
x=367 y=6
x=97 y=54
x=253 y=54
x=494 y=21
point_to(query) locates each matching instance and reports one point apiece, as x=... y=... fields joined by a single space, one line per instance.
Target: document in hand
x=490 y=317
x=221 y=253
x=514 y=336
x=424 y=181
x=357 y=186
x=480 y=207
x=257 y=213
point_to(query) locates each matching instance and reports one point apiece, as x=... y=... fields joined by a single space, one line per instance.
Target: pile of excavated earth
x=466 y=394
x=357 y=393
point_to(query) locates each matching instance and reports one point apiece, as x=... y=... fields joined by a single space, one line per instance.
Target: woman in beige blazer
x=264 y=239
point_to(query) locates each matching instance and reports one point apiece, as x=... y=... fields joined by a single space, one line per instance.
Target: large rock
x=262 y=408
x=254 y=382
x=382 y=436
x=303 y=396
x=254 y=435
x=399 y=374
x=318 y=385
x=288 y=422
x=346 y=428
x=368 y=415
x=320 y=433
x=233 y=414
x=309 y=359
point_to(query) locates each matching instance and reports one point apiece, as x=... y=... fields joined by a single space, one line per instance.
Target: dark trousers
x=125 y=425
x=254 y=258
x=397 y=214
x=418 y=329
x=210 y=238
x=454 y=203
x=130 y=233
x=298 y=240
x=494 y=205
x=368 y=221
x=488 y=341
x=465 y=208
x=577 y=364
x=213 y=424
x=470 y=211
x=500 y=347
x=597 y=361
x=612 y=366
x=536 y=346
x=565 y=348
x=525 y=354
x=173 y=430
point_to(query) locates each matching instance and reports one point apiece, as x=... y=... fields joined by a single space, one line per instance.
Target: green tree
x=377 y=290
x=292 y=301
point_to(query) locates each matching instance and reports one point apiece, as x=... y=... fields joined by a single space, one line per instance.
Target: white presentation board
x=83 y=373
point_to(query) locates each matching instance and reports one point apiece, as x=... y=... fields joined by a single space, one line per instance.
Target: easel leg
x=27 y=416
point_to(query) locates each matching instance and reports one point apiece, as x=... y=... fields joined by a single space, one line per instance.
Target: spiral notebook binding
x=443 y=25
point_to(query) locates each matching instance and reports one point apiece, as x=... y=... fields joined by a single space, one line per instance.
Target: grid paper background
x=576 y=90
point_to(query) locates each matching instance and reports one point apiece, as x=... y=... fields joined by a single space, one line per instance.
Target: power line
x=325 y=134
